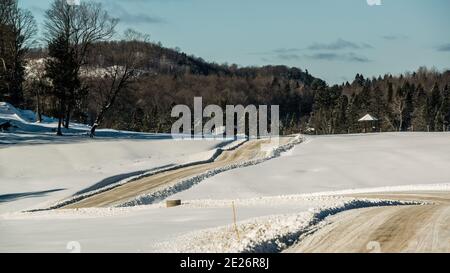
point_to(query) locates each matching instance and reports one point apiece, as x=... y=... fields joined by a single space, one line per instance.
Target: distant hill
x=163 y=60
x=168 y=77
x=410 y=101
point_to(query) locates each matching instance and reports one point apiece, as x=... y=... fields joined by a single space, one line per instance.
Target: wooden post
x=235 y=222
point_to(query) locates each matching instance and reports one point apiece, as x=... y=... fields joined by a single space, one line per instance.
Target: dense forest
x=85 y=75
x=418 y=101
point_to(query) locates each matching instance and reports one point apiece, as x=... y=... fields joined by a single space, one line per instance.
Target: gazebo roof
x=368 y=117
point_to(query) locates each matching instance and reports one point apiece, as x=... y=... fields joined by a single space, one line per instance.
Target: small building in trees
x=369 y=123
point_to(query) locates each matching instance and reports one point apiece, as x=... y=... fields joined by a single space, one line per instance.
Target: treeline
x=418 y=101
x=84 y=75
x=148 y=105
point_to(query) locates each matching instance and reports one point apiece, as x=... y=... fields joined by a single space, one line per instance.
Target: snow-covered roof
x=367 y=117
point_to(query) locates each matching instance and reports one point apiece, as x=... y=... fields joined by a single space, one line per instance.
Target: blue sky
x=333 y=39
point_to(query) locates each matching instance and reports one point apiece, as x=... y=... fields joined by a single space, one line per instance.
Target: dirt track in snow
x=421 y=228
x=248 y=151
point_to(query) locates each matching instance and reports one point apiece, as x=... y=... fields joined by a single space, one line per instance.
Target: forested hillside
x=165 y=77
x=84 y=74
x=416 y=101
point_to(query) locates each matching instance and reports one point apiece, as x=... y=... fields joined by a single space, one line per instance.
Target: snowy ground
x=275 y=200
x=57 y=167
x=196 y=226
x=333 y=163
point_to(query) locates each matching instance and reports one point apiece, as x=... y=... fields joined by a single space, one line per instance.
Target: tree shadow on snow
x=117 y=178
x=16 y=196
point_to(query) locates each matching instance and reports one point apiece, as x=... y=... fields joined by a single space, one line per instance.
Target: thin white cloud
x=374 y=2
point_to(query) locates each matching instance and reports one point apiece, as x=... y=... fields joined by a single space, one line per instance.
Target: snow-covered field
x=50 y=168
x=31 y=175
x=275 y=201
x=333 y=163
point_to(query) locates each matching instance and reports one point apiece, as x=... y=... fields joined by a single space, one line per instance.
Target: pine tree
x=390 y=95
x=419 y=116
x=378 y=106
x=341 y=119
x=353 y=114
x=80 y=26
x=442 y=119
x=61 y=68
x=325 y=109
x=365 y=99
x=433 y=105
x=409 y=107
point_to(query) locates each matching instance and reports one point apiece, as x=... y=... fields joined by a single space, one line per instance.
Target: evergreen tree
x=353 y=114
x=365 y=100
x=61 y=68
x=378 y=105
x=409 y=107
x=390 y=95
x=442 y=119
x=433 y=105
x=325 y=109
x=419 y=116
x=80 y=27
x=341 y=119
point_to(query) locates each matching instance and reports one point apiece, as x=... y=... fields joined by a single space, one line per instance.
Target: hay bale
x=173 y=203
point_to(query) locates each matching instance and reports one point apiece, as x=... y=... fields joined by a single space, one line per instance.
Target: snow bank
x=178 y=186
x=269 y=234
x=444 y=187
x=9 y=112
x=25 y=121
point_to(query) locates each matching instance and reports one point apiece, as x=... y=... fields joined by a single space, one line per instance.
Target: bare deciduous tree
x=17 y=28
x=119 y=76
x=399 y=106
x=80 y=26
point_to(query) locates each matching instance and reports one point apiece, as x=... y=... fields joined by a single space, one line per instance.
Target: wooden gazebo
x=369 y=122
